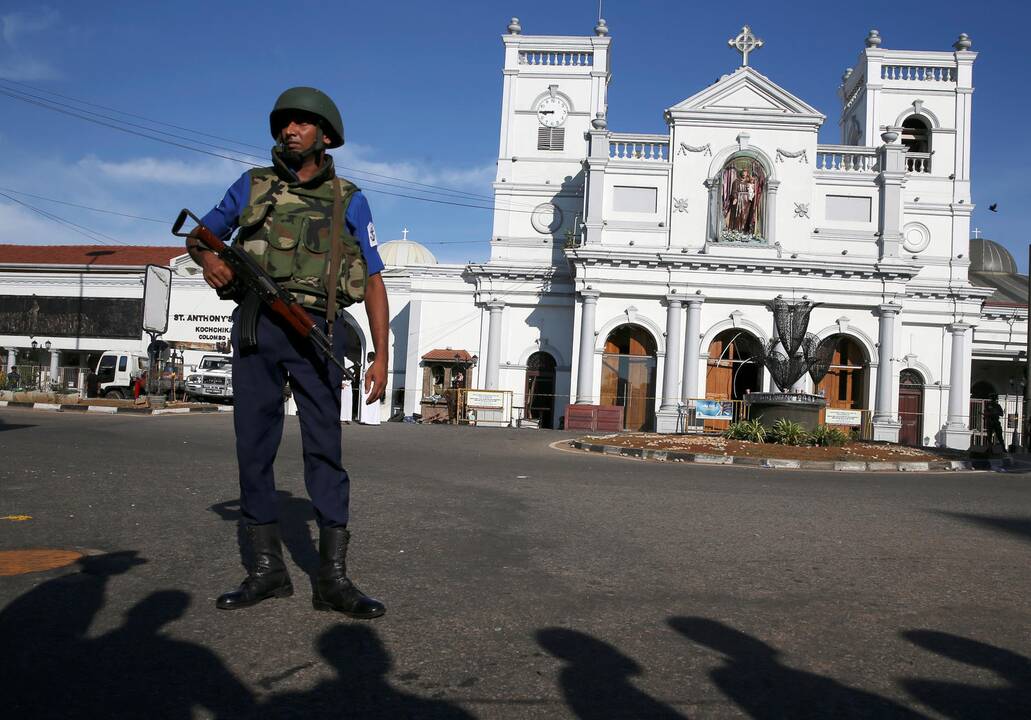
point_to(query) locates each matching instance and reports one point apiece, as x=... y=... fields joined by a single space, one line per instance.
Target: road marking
x=16 y=518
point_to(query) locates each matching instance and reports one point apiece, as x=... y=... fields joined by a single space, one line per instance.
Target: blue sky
x=419 y=86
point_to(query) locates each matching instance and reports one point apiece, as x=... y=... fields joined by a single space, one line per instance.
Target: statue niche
x=743 y=200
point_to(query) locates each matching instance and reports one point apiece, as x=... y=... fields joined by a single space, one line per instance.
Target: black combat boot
x=333 y=589
x=267 y=577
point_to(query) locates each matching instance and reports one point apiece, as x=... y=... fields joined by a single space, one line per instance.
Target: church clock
x=552 y=111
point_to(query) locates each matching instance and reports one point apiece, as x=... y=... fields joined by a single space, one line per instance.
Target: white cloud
x=19 y=30
x=354 y=157
x=21 y=226
x=215 y=171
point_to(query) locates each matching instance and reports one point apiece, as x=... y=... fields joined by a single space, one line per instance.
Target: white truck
x=117 y=372
x=212 y=379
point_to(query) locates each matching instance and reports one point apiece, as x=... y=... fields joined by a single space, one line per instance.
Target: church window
x=916 y=136
x=551 y=138
x=742 y=200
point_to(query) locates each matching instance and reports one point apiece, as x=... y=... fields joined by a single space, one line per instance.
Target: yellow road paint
x=16 y=518
x=19 y=562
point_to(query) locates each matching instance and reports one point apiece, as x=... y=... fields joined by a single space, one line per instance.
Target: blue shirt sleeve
x=359 y=223
x=224 y=218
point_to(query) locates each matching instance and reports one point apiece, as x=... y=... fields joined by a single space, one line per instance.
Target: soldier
x=313 y=233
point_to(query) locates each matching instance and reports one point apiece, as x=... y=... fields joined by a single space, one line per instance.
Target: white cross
x=977 y=233
x=745 y=43
x=404 y=234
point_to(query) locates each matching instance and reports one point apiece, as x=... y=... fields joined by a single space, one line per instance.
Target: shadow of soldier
x=295 y=518
x=360 y=688
x=753 y=677
x=596 y=679
x=957 y=700
x=137 y=671
x=43 y=632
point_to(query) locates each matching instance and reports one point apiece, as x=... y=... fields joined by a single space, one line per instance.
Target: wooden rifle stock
x=254 y=279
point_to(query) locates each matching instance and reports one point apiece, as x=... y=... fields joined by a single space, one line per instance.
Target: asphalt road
x=521 y=582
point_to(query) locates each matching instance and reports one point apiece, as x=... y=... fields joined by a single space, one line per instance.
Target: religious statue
x=743 y=184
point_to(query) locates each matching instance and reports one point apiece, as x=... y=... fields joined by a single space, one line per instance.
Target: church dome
x=400 y=253
x=989 y=256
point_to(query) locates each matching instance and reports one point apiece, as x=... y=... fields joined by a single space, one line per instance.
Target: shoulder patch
x=372 y=235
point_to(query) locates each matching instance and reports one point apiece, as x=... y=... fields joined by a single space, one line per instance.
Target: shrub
x=750 y=430
x=787 y=432
x=827 y=436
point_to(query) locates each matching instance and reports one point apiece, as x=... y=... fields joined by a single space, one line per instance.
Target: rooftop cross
x=404 y=234
x=977 y=233
x=745 y=43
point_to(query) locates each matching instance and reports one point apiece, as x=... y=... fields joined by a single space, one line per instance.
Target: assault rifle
x=252 y=284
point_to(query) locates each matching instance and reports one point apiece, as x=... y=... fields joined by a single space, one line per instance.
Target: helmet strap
x=296 y=159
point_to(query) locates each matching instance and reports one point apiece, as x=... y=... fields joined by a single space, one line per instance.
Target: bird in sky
x=994 y=207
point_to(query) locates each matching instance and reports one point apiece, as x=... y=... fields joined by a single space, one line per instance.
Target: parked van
x=117 y=371
x=212 y=380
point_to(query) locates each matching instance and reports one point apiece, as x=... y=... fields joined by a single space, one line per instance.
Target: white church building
x=639 y=270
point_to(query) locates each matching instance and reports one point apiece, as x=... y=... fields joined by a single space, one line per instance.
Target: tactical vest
x=285 y=227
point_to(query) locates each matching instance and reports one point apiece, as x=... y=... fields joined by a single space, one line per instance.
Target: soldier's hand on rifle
x=216 y=272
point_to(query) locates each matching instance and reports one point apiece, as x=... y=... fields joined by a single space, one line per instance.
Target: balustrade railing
x=556 y=58
x=846 y=159
x=919 y=73
x=636 y=147
x=918 y=162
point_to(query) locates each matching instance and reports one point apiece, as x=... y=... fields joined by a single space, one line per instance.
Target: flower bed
x=717 y=445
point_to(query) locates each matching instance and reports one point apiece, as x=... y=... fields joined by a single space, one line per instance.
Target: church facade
x=640 y=270
x=644 y=266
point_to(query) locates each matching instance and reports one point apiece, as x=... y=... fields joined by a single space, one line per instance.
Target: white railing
x=639 y=147
x=556 y=57
x=918 y=162
x=846 y=159
x=918 y=73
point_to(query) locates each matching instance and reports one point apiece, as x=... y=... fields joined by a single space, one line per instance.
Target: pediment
x=747 y=91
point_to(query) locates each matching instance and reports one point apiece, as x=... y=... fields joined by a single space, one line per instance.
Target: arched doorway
x=353 y=358
x=628 y=375
x=911 y=407
x=733 y=370
x=540 y=389
x=844 y=385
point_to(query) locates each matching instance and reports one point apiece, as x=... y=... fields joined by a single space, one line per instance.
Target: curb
x=111 y=410
x=1000 y=465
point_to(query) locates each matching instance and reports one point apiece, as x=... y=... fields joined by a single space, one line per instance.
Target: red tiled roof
x=89 y=254
x=448 y=355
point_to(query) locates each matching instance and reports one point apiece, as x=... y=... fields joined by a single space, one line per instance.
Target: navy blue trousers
x=258 y=381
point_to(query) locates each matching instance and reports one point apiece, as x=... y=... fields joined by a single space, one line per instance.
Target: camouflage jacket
x=285 y=226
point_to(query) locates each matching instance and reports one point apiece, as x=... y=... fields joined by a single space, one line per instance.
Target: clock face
x=552 y=112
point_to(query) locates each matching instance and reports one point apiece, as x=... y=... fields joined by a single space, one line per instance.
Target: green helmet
x=312 y=101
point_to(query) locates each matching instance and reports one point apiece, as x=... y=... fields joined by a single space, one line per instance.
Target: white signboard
x=157 y=293
x=843 y=417
x=714 y=409
x=486 y=399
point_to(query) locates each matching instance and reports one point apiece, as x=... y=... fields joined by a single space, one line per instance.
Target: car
x=212 y=380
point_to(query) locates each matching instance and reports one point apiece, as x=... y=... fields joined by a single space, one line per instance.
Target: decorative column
x=494 y=344
x=885 y=426
x=957 y=428
x=667 y=419
x=597 y=162
x=55 y=356
x=891 y=159
x=689 y=386
x=585 y=365
x=771 y=211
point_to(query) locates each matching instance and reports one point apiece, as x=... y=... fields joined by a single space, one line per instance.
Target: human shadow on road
x=360 y=688
x=754 y=677
x=958 y=700
x=596 y=680
x=4 y=426
x=1019 y=526
x=51 y=669
x=137 y=671
x=295 y=517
